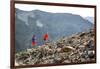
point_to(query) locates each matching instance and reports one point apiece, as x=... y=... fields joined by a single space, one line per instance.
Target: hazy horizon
x=84 y=12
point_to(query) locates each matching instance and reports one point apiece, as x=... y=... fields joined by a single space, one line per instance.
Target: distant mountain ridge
x=91 y=19
x=39 y=22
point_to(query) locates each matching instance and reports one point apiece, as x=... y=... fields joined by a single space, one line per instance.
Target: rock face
x=77 y=48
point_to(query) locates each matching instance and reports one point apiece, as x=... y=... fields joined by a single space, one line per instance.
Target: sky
x=84 y=12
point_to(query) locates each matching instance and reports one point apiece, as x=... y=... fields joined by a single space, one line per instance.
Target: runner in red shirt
x=45 y=37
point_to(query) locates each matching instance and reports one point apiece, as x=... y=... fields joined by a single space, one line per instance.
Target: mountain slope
x=39 y=22
x=77 y=48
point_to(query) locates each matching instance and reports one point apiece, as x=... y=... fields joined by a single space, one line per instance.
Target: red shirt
x=45 y=37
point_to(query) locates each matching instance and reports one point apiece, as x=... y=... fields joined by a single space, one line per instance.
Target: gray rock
x=76 y=48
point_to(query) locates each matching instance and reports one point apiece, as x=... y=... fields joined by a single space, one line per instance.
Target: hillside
x=28 y=23
x=75 y=48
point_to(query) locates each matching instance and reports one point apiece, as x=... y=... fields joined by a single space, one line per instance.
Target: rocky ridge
x=76 y=48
